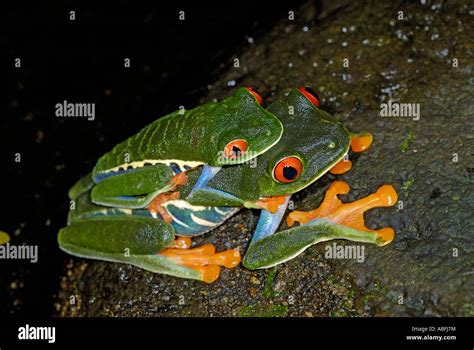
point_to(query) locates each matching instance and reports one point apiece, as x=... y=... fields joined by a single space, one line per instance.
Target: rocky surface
x=357 y=57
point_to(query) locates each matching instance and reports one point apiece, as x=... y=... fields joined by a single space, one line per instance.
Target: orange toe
x=179 y=179
x=387 y=195
x=299 y=216
x=209 y=273
x=341 y=167
x=271 y=203
x=229 y=258
x=194 y=256
x=361 y=142
x=386 y=235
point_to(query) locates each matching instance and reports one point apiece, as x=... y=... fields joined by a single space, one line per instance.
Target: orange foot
x=178 y=180
x=349 y=214
x=203 y=259
x=271 y=203
x=156 y=205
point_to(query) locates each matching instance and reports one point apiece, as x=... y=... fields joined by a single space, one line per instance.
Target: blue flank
x=209 y=214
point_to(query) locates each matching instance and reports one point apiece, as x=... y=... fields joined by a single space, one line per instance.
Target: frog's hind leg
x=140 y=238
x=359 y=143
x=332 y=220
x=145 y=242
x=350 y=214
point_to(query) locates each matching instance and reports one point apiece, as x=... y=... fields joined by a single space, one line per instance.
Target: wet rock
x=428 y=269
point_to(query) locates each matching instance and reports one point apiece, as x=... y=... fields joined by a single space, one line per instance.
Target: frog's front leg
x=273 y=209
x=332 y=220
x=202 y=194
x=147 y=243
x=134 y=188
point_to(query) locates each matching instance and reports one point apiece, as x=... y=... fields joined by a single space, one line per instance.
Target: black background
x=172 y=62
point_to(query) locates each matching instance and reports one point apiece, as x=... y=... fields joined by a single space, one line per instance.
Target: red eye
x=235 y=149
x=288 y=170
x=311 y=95
x=255 y=94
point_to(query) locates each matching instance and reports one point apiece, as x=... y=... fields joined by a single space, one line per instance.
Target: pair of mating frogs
x=189 y=171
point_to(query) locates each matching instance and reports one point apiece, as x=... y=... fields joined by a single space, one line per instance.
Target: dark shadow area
x=171 y=63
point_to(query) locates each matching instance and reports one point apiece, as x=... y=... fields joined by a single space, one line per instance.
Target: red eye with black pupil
x=255 y=94
x=311 y=95
x=289 y=173
x=288 y=170
x=235 y=149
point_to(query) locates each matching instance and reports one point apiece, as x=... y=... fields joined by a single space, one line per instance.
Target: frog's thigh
x=332 y=220
x=139 y=241
x=286 y=245
x=115 y=238
x=135 y=188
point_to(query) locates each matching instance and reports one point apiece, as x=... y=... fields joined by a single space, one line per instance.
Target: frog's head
x=312 y=143
x=241 y=129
